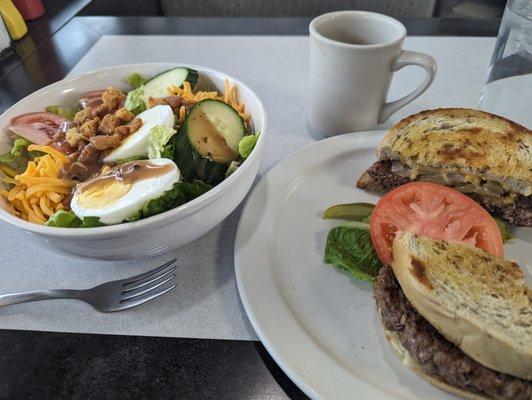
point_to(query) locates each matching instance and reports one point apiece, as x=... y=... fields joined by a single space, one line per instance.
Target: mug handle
x=403 y=59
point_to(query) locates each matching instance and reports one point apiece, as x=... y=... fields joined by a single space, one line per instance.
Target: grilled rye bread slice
x=480 y=154
x=478 y=301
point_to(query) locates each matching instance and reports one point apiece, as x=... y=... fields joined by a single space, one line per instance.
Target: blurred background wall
x=294 y=8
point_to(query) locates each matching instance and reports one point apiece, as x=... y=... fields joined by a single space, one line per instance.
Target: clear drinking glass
x=508 y=90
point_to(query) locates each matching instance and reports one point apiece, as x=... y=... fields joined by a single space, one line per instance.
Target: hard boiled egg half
x=120 y=192
x=137 y=144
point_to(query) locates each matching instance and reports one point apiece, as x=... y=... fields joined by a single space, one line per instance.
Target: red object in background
x=30 y=9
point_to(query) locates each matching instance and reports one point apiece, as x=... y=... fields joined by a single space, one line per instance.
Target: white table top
x=205 y=303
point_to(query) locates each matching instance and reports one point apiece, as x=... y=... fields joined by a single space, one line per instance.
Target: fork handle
x=37 y=295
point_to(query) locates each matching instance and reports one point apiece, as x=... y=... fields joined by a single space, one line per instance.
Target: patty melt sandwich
x=459 y=316
x=485 y=156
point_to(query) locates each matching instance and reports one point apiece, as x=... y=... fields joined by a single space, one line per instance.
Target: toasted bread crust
x=476 y=300
x=460 y=112
x=479 y=145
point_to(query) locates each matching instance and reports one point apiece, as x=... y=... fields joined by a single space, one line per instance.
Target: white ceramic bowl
x=160 y=233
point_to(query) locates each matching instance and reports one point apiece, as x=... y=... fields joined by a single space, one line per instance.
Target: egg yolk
x=103 y=194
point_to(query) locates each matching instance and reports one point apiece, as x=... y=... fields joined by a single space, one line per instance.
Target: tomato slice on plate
x=435 y=211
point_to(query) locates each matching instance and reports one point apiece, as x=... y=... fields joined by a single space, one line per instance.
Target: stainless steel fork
x=111 y=296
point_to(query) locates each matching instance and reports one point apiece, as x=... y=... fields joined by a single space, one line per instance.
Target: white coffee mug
x=353 y=55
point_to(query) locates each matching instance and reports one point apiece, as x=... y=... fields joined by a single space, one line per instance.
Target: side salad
x=119 y=156
x=362 y=244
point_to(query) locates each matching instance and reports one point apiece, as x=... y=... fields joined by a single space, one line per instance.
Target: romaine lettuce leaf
x=179 y=194
x=67 y=219
x=350 y=249
x=135 y=79
x=168 y=151
x=246 y=145
x=134 y=101
x=19 y=146
x=194 y=189
x=159 y=136
x=68 y=113
x=91 y=222
x=15 y=157
x=63 y=219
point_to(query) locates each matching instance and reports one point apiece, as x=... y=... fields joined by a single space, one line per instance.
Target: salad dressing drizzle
x=127 y=173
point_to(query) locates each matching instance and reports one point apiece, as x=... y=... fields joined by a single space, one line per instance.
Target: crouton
x=108 y=124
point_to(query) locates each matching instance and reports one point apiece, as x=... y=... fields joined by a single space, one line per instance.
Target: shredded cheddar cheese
x=189 y=97
x=182 y=114
x=39 y=191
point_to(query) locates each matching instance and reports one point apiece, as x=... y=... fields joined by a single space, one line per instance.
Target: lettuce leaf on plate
x=349 y=248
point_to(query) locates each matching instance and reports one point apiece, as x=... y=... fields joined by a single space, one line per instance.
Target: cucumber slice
x=157 y=86
x=192 y=165
x=208 y=141
x=215 y=128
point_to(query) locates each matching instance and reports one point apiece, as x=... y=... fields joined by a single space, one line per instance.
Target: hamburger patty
x=380 y=178
x=435 y=354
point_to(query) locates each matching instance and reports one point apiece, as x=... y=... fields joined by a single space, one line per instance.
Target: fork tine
x=131 y=294
x=137 y=278
x=125 y=304
x=150 y=279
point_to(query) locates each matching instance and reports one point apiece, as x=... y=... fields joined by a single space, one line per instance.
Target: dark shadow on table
x=291 y=390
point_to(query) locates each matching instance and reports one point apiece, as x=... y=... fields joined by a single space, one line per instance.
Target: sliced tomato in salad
x=435 y=211
x=92 y=99
x=38 y=127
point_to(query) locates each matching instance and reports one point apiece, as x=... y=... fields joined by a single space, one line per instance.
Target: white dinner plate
x=320 y=325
